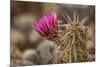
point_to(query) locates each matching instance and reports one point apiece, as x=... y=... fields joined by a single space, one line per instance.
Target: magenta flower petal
x=43 y=29
x=54 y=20
x=47 y=22
x=38 y=27
x=46 y=25
x=50 y=20
x=39 y=31
x=42 y=25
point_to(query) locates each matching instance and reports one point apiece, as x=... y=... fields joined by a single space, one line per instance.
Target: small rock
x=46 y=51
x=31 y=55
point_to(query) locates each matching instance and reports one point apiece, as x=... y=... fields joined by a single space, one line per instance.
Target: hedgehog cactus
x=72 y=47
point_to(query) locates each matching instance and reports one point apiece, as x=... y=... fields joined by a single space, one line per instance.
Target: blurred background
x=27 y=47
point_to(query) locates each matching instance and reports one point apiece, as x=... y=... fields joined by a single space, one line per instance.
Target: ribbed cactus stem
x=72 y=46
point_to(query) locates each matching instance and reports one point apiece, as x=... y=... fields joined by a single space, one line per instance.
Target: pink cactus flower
x=47 y=24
